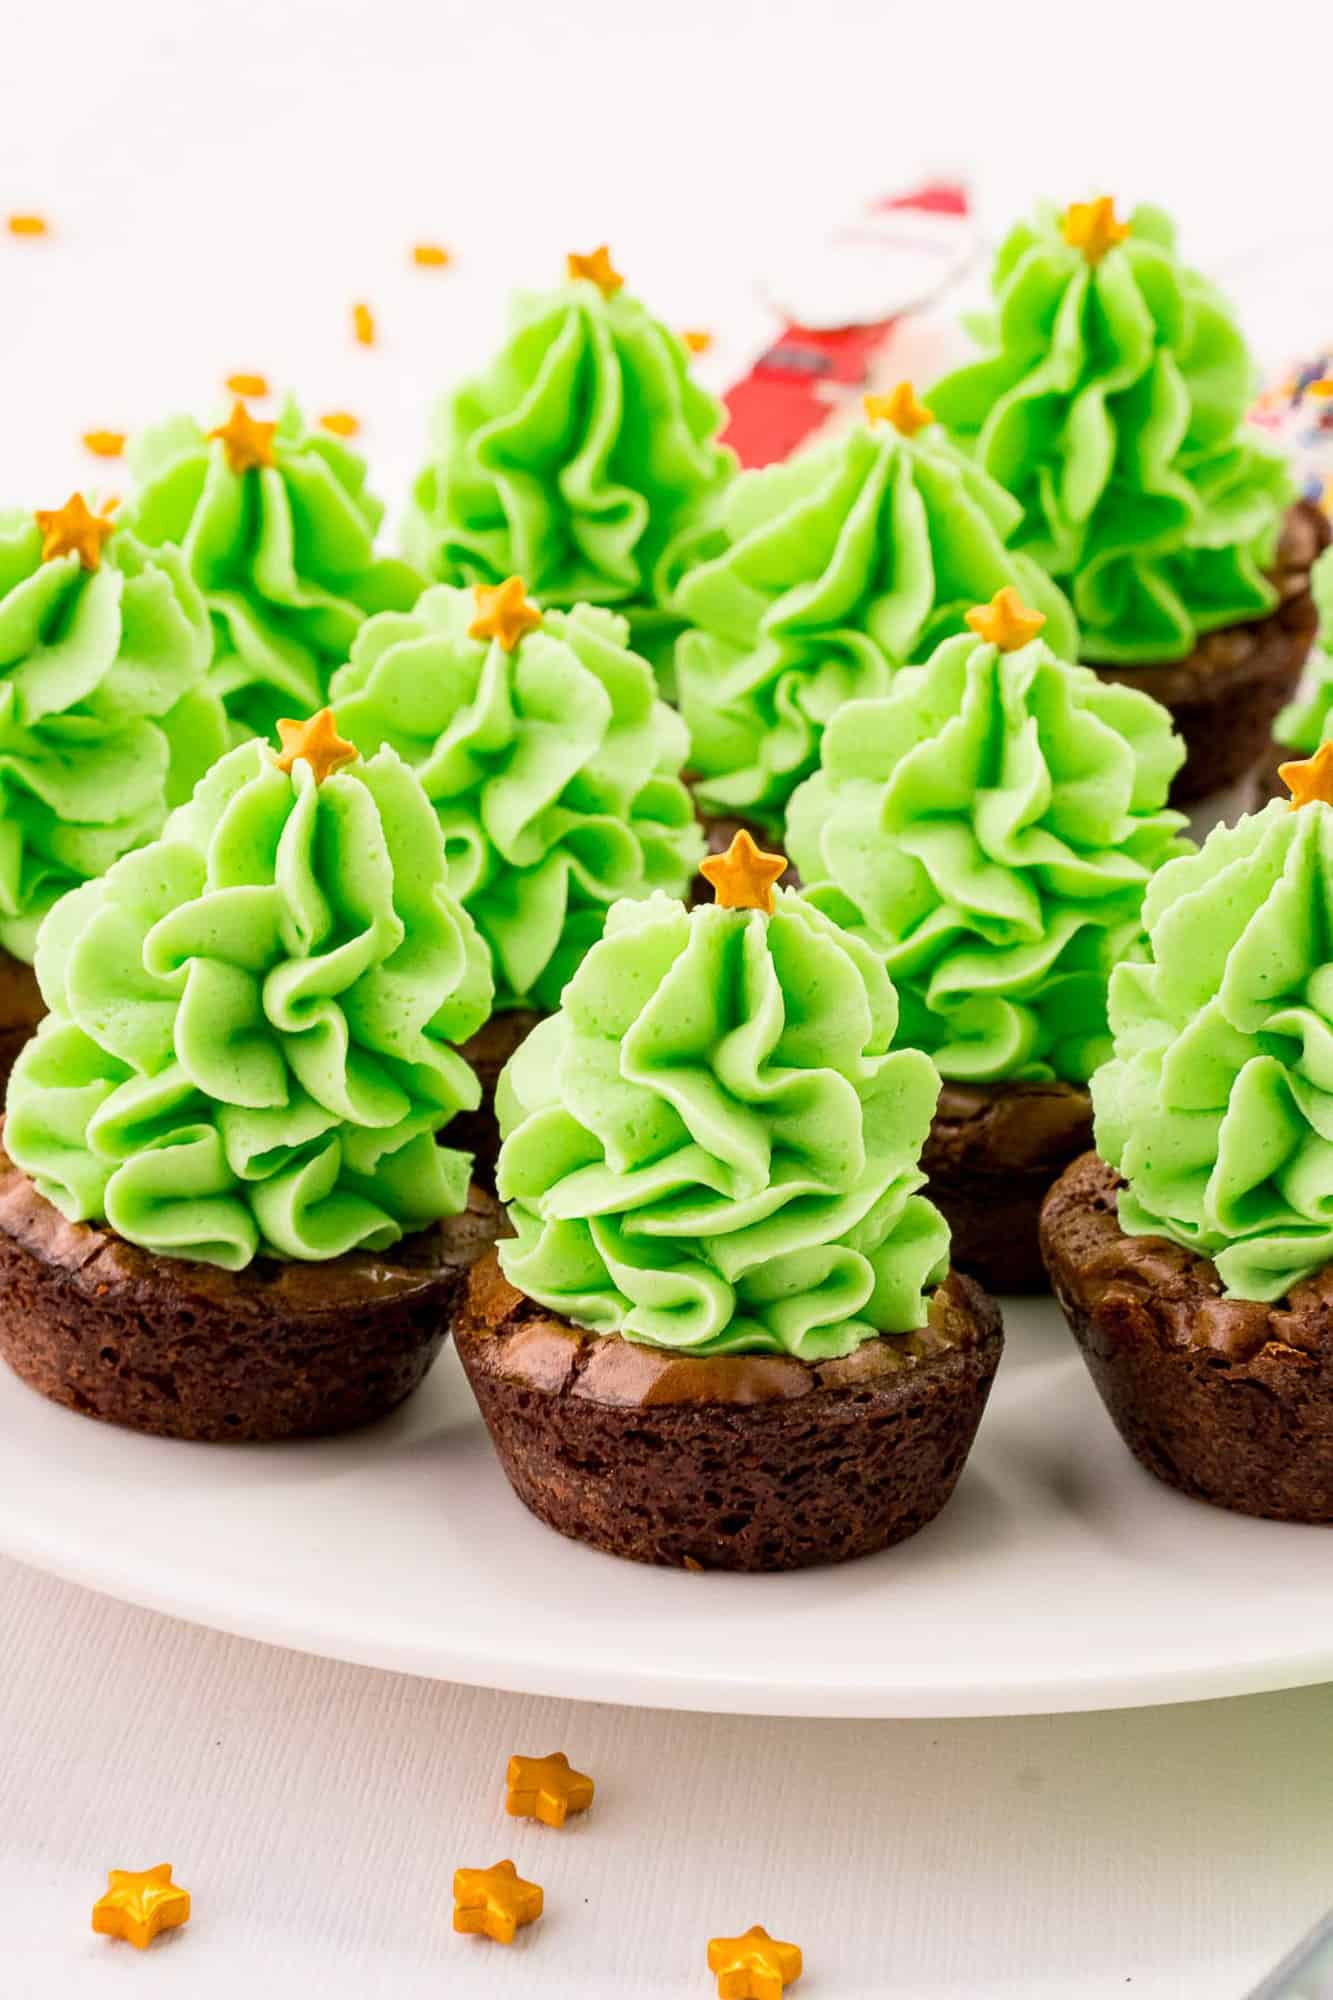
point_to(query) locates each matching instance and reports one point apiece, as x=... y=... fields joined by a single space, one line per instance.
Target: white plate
x=1059 y=1577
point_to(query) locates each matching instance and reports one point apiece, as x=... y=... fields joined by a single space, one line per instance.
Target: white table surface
x=224 y=179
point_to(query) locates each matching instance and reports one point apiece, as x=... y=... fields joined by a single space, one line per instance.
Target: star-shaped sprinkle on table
x=546 y=1788
x=743 y=877
x=900 y=408
x=247 y=440
x=597 y=268
x=504 y=613
x=754 y=1966
x=1093 y=227
x=74 y=530
x=1310 y=779
x=317 y=741
x=139 y=1904
x=1006 y=621
x=494 y=1902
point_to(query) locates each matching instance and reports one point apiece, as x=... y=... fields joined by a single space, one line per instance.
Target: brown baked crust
x=1227 y=1399
x=737 y=1462
x=1225 y=696
x=477 y=1132
x=992 y=1152
x=21 y=1008
x=192 y=1351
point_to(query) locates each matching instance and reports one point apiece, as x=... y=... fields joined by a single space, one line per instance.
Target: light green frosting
x=713 y=1147
x=1306 y=722
x=105 y=720
x=284 y=554
x=1110 y=401
x=1218 y=1105
x=582 y=459
x=827 y=574
x=249 y=1044
x=989 y=826
x=554 y=770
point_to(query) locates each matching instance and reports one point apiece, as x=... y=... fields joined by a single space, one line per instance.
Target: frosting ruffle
x=554 y=770
x=1307 y=721
x=583 y=459
x=249 y=1044
x=1218 y=1105
x=105 y=718
x=826 y=574
x=989 y=827
x=284 y=555
x=713 y=1147
x=1110 y=401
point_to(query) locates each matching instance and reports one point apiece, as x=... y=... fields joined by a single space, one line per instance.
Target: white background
x=224 y=181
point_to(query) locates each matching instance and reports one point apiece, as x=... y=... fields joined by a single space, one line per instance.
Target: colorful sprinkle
x=430 y=256
x=341 y=422
x=363 y=324
x=697 y=339
x=28 y=225
x=247 y=385
x=104 y=444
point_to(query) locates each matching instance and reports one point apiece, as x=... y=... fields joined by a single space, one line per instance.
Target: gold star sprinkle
x=1093 y=227
x=697 y=339
x=104 y=444
x=901 y=409
x=429 y=256
x=754 y=1966
x=137 y=1906
x=247 y=441
x=546 y=1788
x=743 y=877
x=1310 y=779
x=597 y=268
x=318 y=742
x=73 y=530
x=494 y=1902
x=503 y=613
x=1006 y=621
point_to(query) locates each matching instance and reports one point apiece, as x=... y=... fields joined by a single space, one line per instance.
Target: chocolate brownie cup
x=989 y=827
x=224 y=1212
x=21 y=1008
x=992 y=1153
x=737 y=1461
x=1228 y=1399
x=724 y=1332
x=189 y=1350
x=486 y=1053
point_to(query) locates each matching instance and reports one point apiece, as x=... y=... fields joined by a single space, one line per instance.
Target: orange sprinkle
x=104 y=444
x=247 y=385
x=363 y=324
x=430 y=256
x=341 y=422
x=697 y=339
x=29 y=225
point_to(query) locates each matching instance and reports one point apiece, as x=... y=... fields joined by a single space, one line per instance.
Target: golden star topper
x=137 y=1905
x=1093 y=227
x=754 y=1966
x=743 y=877
x=1310 y=779
x=247 y=441
x=1006 y=621
x=74 y=530
x=494 y=1902
x=504 y=613
x=597 y=268
x=317 y=741
x=901 y=409
x=546 y=1788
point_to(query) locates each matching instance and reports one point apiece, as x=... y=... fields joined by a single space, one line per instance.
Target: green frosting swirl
x=712 y=1145
x=105 y=719
x=1110 y=401
x=989 y=827
x=1218 y=1105
x=284 y=555
x=582 y=459
x=1306 y=722
x=248 y=1050
x=827 y=574
x=554 y=771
